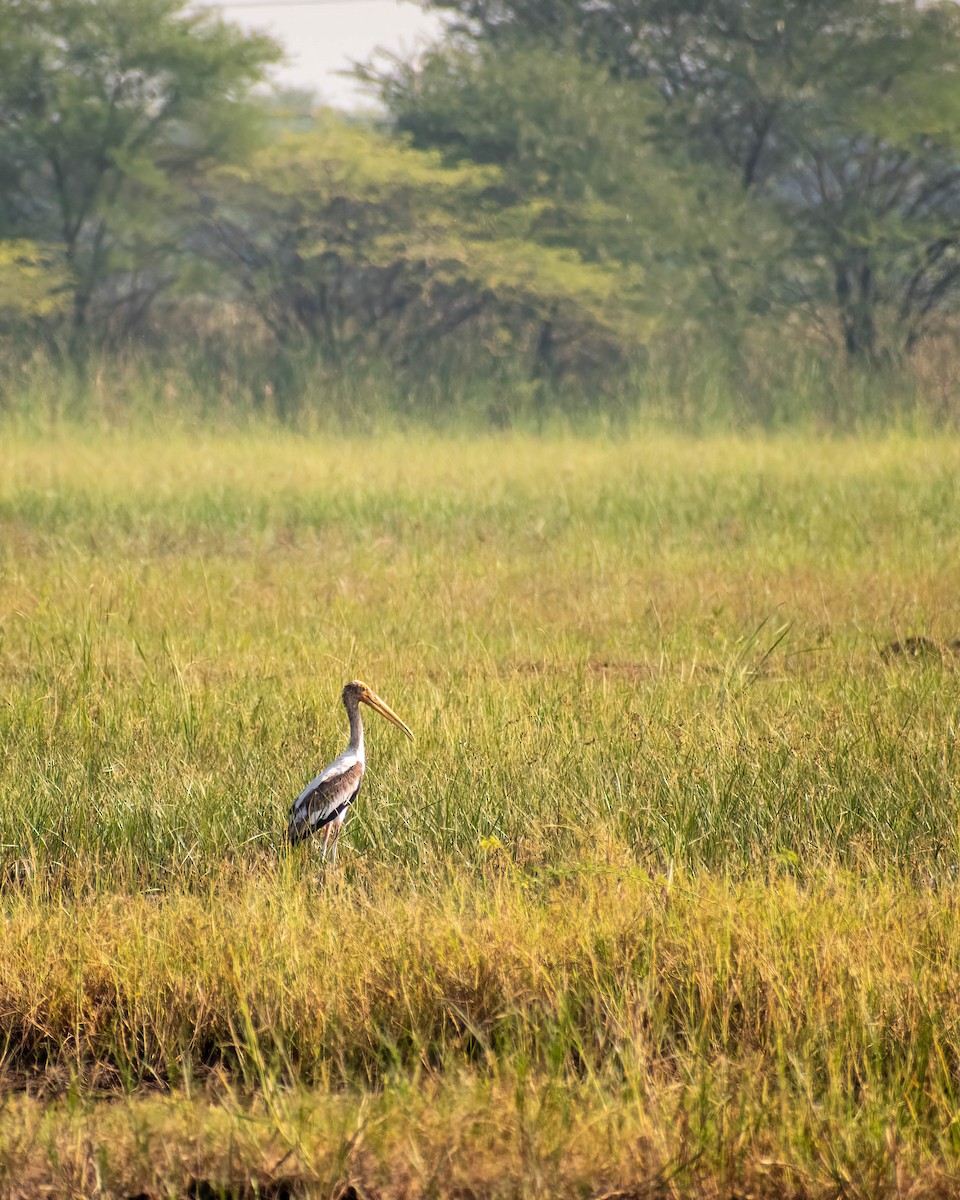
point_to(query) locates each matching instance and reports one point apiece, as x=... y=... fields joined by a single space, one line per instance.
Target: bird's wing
x=323 y=798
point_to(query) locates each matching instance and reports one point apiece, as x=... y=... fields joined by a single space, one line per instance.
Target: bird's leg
x=335 y=838
x=326 y=844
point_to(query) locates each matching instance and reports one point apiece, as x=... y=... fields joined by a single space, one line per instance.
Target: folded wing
x=325 y=798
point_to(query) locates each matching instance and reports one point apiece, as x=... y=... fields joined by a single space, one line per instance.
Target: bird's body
x=325 y=801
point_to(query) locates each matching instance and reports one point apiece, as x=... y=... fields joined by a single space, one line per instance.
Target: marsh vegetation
x=665 y=896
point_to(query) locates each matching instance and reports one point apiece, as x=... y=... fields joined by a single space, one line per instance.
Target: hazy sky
x=321 y=37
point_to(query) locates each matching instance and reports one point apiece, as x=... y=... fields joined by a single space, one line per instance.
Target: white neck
x=356 y=727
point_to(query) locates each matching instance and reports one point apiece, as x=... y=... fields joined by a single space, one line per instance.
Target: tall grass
x=237 y=382
x=673 y=859
x=677 y=641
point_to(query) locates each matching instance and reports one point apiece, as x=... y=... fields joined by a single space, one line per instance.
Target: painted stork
x=325 y=801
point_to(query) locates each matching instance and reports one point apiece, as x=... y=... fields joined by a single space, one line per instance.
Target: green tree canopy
x=842 y=113
x=352 y=239
x=576 y=146
x=108 y=112
x=543 y=226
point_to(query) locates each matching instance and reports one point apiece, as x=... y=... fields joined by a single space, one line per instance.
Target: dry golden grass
x=593 y=964
x=684 y=1036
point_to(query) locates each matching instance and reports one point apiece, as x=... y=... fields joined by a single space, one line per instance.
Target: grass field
x=664 y=900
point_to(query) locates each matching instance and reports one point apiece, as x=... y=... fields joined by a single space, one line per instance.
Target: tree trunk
x=856 y=300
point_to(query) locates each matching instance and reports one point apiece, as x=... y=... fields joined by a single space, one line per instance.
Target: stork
x=325 y=801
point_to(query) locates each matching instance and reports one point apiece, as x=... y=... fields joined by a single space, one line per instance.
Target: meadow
x=664 y=900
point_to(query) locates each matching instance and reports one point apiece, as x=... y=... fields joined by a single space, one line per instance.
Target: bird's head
x=358 y=692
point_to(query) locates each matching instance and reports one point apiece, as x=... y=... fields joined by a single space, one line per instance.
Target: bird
x=325 y=801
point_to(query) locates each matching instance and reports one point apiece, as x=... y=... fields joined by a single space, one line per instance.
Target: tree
x=109 y=111
x=356 y=242
x=576 y=145
x=843 y=113
x=31 y=286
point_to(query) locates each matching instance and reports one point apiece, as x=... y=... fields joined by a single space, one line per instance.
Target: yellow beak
x=384 y=709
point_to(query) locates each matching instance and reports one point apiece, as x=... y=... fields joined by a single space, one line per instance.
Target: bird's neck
x=356 y=726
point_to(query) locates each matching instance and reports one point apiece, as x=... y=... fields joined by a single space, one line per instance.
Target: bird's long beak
x=384 y=709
